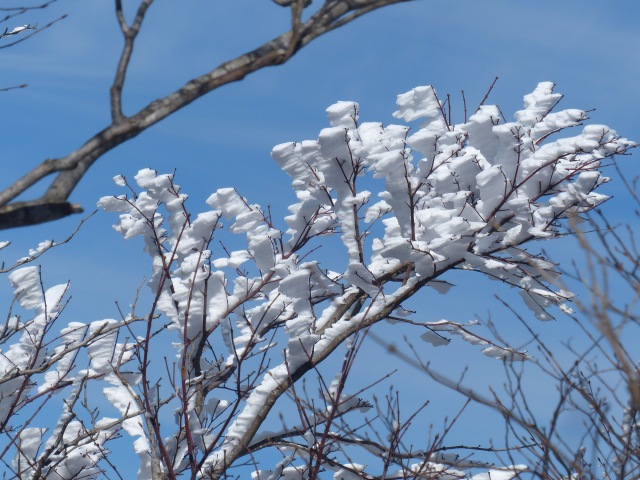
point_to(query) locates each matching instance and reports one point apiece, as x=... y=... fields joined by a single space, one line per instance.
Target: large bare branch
x=70 y=169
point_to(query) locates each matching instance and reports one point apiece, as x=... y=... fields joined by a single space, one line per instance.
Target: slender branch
x=486 y=95
x=130 y=33
x=23 y=9
x=491 y=402
x=6 y=89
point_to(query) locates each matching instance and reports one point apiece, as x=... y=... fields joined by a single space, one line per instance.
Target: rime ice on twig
x=464 y=196
x=247 y=324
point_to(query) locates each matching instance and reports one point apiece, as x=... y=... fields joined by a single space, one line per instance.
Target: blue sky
x=591 y=50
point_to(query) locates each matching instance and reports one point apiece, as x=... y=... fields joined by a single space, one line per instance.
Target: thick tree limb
x=19 y=214
x=70 y=169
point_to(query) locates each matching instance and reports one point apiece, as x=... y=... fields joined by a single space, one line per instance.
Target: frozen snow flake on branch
x=405 y=208
x=343 y=114
x=27 y=356
x=421 y=102
x=539 y=103
x=37 y=355
x=506 y=473
x=482 y=186
x=66 y=352
x=26 y=283
x=17 y=30
x=235 y=330
x=435 y=335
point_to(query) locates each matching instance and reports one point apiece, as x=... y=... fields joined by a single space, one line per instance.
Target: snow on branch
x=475 y=193
x=243 y=327
x=17 y=30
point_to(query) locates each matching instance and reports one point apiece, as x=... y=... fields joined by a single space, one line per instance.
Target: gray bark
x=69 y=170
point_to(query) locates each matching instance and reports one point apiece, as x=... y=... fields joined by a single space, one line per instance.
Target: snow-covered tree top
x=450 y=196
x=407 y=204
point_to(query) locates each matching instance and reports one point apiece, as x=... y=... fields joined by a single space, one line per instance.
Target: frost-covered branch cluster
x=233 y=331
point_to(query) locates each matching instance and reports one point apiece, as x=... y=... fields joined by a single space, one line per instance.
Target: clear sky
x=591 y=50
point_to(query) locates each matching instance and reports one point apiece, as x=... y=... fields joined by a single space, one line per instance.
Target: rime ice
x=246 y=322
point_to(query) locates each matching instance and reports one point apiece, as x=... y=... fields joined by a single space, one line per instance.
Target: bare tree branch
x=70 y=169
x=6 y=89
x=129 y=33
x=22 y=9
